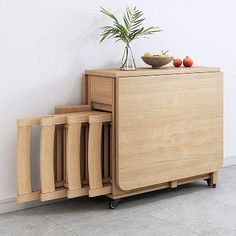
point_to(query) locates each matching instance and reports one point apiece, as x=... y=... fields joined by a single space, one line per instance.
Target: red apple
x=188 y=62
x=177 y=62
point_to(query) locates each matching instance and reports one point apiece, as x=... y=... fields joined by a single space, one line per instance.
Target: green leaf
x=131 y=28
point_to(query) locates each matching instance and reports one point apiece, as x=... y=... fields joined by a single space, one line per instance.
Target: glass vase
x=128 y=62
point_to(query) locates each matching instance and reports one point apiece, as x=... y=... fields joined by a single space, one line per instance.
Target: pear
x=148 y=54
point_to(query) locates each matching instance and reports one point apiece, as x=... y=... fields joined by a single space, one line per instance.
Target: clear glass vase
x=128 y=62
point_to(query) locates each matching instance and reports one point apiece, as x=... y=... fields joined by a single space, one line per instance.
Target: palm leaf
x=130 y=29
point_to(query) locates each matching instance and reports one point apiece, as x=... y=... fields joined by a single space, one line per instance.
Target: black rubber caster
x=113 y=204
x=209 y=183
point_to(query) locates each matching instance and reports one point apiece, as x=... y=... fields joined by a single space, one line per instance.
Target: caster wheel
x=113 y=204
x=208 y=182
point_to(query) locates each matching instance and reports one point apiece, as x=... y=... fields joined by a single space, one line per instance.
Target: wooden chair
x=74 y=154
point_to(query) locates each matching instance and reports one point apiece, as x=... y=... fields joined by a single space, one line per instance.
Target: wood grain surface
x=168 y=127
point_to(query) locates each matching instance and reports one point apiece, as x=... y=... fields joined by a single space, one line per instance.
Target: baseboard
x=10 y=205
x=229 y=161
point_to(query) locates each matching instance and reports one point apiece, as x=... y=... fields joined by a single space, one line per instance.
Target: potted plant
x=130 y=29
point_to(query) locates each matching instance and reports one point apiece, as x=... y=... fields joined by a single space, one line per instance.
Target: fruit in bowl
x=157 y=60
x=148 y=54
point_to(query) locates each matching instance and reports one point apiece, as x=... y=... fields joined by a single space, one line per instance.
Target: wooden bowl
x=157 y=61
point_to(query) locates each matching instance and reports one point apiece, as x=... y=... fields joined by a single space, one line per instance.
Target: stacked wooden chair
x=74 y=154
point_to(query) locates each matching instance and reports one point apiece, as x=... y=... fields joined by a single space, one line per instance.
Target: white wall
x=46 y=45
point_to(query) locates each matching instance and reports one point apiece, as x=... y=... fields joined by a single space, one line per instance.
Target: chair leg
x=96 y=187
x=23 y=160
x=47 y=159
